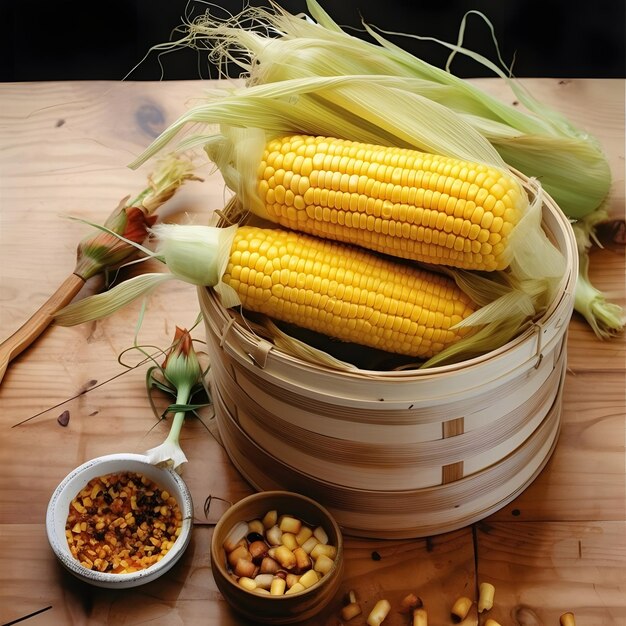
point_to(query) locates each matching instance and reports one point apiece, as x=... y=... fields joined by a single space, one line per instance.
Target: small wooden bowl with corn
x=258 y=519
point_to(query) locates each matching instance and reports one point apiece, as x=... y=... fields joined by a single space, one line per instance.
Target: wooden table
x=559 y=546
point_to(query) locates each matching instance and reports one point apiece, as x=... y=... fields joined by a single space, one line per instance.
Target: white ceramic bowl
x=71 y=485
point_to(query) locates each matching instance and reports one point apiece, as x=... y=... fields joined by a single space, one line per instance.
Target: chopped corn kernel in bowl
x=118 y=521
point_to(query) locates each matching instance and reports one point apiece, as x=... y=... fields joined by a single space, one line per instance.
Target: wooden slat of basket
x=382 y=424
x=401 y=451
x=398 y=465
x=401 y=513
x=301 y=407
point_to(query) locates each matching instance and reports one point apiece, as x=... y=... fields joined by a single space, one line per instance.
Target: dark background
x=80 y=40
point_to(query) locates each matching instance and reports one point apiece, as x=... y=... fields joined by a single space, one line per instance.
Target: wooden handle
x=28 y=332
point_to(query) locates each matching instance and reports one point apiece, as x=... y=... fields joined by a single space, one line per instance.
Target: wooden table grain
x=560 y=546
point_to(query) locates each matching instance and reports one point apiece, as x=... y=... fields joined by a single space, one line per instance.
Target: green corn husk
x=431 y=126
x=273 y=47
x=537 y=141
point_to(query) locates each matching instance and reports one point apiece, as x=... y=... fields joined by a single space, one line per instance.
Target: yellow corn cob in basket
x=340 y=290
x=398 y=201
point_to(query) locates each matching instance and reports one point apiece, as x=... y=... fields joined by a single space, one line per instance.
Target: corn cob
x=398 y=201
x=345 y=292
x=342 y=291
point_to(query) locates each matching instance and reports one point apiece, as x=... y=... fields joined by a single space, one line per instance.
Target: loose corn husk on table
x=103 y=250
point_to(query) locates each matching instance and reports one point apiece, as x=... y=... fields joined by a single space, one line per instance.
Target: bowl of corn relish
x=118 y=521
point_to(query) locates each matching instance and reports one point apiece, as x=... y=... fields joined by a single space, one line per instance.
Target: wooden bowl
x=76 y=480
x=285 y=609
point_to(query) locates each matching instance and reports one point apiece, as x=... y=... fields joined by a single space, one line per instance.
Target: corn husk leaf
x=272 y=46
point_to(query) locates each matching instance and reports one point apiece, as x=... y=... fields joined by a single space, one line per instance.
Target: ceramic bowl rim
x=59 y=543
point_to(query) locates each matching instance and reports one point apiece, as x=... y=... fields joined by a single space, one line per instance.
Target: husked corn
x=402 y=202
x=346 y=292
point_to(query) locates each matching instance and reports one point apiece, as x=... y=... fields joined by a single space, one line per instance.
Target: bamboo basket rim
x=565 y=294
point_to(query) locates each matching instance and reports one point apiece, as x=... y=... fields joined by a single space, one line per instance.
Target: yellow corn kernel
x=309 y=544
x=270 y=519
x=291 y=579
x=289 y=540
x=389 y=189
x=486 y=592
x=285 y=557
x=323 y=564
x=324 y=548
x=256 y=526
x=420 y=617
x=247 y=583
x=461 y=608
x=303 y=561
x=78 y=506
x=305 y=533
x=350 y=610
x=290 y=524
x=295 y=588
x=347 y=293
x=320 y=534
x=379 y=613
x=244 y=568
x=567 y=619
x=309 y=578
x=278 y=586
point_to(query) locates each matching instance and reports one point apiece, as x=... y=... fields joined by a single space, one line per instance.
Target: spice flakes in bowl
x=119 y=521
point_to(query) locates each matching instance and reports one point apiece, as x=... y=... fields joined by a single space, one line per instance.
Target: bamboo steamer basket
x=395 y=454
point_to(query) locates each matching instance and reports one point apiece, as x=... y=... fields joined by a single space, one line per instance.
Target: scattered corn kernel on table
x=560 y=546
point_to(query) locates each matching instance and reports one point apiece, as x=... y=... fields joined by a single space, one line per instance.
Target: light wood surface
x=560 y=546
